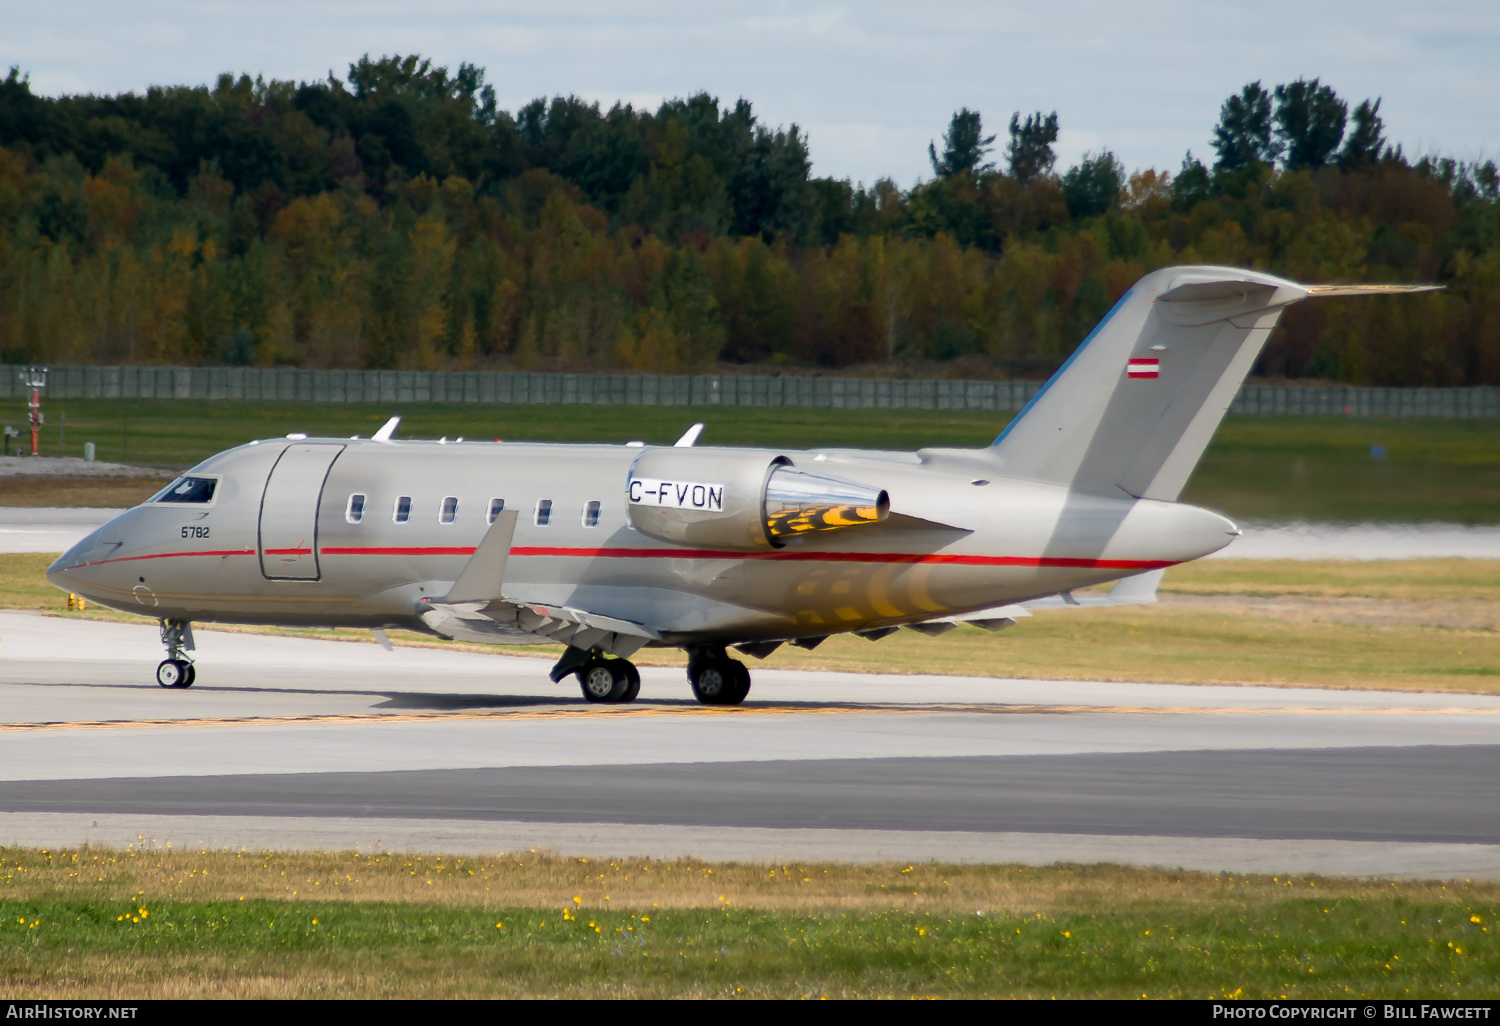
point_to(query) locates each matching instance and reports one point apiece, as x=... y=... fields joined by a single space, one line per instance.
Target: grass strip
x=146 y=923
x=1315 y=468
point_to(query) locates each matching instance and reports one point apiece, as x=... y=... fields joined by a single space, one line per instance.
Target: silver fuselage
x=960 y=537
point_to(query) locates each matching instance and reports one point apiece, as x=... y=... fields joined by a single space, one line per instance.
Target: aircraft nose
x=75 y=570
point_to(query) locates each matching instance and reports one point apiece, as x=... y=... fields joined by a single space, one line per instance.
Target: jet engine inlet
x=740 y=499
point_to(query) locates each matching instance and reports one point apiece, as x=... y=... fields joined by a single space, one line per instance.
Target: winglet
x=481 y=576
x=386 y=430
x=689 y=437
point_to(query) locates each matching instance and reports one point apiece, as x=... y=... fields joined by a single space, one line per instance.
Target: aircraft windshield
x=188 y=489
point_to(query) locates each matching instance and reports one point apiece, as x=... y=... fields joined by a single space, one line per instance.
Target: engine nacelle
x=739 y=499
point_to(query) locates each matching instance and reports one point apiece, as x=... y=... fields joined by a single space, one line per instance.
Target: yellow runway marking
x=772 y=710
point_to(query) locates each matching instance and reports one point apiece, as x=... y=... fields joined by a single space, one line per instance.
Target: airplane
x=612 y=548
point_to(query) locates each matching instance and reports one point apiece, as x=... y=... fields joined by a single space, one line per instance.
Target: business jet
x=611 y=548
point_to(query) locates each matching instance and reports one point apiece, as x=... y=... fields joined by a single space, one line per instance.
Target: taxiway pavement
x=293 y=742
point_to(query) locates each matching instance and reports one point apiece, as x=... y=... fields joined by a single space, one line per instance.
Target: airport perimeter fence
x=500 y=387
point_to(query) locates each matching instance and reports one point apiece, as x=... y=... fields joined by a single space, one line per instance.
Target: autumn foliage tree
x=398 y=217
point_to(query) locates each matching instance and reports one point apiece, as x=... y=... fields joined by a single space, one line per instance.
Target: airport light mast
x=35 y=379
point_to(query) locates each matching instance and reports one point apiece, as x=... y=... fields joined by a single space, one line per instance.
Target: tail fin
x=1136 y=404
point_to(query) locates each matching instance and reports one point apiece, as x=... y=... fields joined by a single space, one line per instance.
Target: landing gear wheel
x=634 y=676
x=604 y=680
x=175 y=673
x=721 y=681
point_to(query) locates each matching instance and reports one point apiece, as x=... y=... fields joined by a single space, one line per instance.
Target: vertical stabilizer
x=1134 y=407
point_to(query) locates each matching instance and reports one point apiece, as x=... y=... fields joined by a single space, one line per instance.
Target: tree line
x=400 y=218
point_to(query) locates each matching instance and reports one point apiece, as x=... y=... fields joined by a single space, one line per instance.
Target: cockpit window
x=188 y=489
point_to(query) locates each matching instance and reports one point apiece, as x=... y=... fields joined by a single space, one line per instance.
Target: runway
x=317 y=743
x=49 y=530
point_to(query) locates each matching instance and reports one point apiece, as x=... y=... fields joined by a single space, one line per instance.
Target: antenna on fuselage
x=386 y=430
x=689 y=437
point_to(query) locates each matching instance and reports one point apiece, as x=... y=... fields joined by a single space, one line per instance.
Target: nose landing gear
x=176 y=671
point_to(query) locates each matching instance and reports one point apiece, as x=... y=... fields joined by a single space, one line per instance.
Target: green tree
x=964 y=146
x=1029 y=152
x=1093 y=185
x=1243 y=135
x=1192 y=183
x=1310 y=120
x=1366 y=137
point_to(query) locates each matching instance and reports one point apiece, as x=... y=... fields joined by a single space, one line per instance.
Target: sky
x=870 y=83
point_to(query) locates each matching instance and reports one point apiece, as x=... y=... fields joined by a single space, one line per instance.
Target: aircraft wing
x=476 y=609
x=502 y=622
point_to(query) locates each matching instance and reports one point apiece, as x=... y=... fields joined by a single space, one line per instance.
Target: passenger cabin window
x=497 y=506
x=197 y=490
x=355 y=511
x=543 y=512
x=402 y=513
x=591 y=514
x=449 y=510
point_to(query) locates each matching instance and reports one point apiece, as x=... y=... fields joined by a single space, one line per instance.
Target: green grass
x=1302 y=948
x=1321 y=469
x=1313 y=468
x=143 y=924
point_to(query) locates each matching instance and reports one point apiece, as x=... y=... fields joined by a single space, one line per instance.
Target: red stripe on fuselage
x=935 y=558
x=784 y=555
x=435 y=550
x=951 y=559
x=164 y=555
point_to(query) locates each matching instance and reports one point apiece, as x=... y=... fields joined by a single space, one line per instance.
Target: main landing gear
x=176 y=671
x=602 y=680
x=716 y=678
x=609 y=680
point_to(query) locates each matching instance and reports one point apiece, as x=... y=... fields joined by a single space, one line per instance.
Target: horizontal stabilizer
x=1369 y=290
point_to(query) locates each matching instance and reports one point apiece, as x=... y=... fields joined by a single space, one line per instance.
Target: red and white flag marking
x=1142 y=367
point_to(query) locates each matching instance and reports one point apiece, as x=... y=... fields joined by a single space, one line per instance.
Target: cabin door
x=289 y=512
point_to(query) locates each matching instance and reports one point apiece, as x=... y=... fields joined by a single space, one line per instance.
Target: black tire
x=633 y=676
x=192 y=676
x=741 y=683
x=603 y=680
x=719 y=681
x=174 y=673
